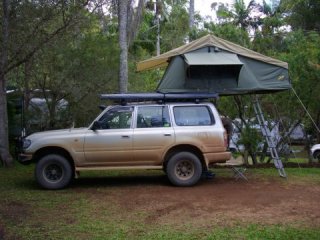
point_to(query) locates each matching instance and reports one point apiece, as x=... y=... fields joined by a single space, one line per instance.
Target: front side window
x=193 y=116
x=116 y=118
x=153 y=116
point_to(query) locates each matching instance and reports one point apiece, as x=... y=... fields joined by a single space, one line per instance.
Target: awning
x=211 y=58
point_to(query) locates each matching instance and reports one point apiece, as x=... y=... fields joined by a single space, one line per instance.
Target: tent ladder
x=267 y=134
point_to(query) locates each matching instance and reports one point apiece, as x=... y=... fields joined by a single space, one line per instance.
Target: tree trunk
x=253 y=157
x=134 y=21
x=191 y=14
x=157 y=10
x=318 y=124
x=123 y=67
x=52 y=105
x=245 y=157
x=26 y=91
x=264 y=152
x=5 y=156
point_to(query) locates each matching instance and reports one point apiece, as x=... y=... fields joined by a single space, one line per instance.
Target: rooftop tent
x=211 y=64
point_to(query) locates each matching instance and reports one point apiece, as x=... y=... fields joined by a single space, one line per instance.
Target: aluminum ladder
x=267 y=134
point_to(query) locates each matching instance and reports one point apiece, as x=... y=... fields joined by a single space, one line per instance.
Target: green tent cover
x=211 y=64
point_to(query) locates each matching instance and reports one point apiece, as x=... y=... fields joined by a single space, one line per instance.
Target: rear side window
x=153 y=116
x=193 y=116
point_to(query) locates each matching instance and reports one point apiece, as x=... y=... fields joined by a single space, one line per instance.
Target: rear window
x=193 y=116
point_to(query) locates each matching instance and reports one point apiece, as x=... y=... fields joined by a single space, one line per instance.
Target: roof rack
x=159 y=97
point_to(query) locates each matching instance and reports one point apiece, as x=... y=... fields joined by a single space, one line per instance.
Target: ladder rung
x=267 y=134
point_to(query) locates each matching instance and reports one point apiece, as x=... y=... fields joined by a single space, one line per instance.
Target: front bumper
x=24 y=158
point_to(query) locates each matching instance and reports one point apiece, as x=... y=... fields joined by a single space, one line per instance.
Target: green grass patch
x=294 y=175
x=88 y=212
x=252 y=231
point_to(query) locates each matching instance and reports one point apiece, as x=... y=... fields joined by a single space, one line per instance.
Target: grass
x=27 y=212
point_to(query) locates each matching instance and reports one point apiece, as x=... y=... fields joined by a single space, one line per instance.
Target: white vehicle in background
x=234 y=144
x=315 y=152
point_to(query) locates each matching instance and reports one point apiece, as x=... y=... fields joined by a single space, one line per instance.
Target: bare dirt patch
x=2 y=232
x=14 y=211
x=218 y=202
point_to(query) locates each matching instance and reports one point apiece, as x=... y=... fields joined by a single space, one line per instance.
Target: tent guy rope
x=306 y=110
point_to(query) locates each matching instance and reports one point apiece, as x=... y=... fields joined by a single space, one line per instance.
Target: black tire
x=53 y=172
x=316 y=155
x=184 y=169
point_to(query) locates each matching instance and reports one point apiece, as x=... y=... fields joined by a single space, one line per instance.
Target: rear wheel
x=53 y=172
x=184 y=169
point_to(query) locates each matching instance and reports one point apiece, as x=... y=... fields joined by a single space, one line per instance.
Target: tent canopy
x=211 y=64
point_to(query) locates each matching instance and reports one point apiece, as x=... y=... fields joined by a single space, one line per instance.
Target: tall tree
x=123 y=43
x=128 y=24
x=191 y=14
x=302 y=14
x=191 y=18
x=238 y=14
x=174 y=29
x=5 y=156
x=303 y=56
x=134 y=21
x=33 y=24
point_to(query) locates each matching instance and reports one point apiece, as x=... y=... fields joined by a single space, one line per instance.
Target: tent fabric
x=208 y=40
x=250 y=76
x=211 y=64
x=209 y=58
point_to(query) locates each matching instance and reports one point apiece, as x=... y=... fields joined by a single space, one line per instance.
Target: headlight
x=26 y=143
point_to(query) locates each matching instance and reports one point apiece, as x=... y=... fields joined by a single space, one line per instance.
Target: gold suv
x=180 y=138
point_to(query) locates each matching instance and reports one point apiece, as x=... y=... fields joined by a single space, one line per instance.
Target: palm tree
x=242 y=12
x=239 y=14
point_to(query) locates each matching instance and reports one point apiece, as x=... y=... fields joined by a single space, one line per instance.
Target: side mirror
x=96 y=125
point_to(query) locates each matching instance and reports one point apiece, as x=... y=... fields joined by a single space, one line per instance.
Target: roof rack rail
x=159 y=97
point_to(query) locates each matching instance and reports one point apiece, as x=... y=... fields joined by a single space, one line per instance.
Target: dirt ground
x=148 y=199
x=219 y=201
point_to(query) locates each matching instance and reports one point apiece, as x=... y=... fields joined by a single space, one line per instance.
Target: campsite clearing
x=143 y=205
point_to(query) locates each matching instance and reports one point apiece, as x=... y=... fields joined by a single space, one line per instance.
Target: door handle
x=167 y=134
x=125 y=136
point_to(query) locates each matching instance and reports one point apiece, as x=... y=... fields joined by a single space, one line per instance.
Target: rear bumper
x=219 y=157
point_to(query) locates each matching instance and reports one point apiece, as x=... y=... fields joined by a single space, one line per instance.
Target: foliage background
x=75 y=53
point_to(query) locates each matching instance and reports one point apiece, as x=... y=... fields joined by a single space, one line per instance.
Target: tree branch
x=45 y=40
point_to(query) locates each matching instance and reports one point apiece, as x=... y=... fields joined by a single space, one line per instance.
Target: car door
x=111 y=143
x=153 y=134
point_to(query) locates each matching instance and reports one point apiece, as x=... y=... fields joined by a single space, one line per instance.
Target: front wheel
x=53 y=172
x=316 y=156
x=184 y=169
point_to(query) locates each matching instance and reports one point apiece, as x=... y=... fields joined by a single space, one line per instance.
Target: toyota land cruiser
x=182 y=138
